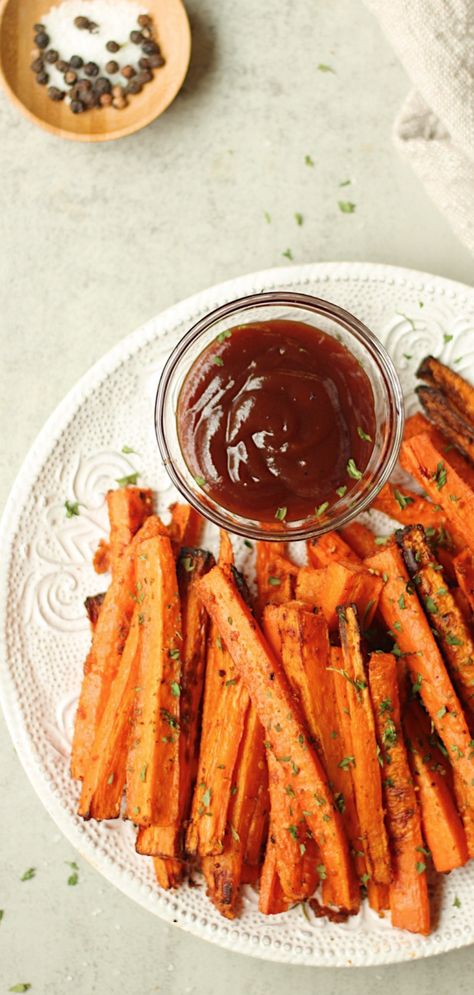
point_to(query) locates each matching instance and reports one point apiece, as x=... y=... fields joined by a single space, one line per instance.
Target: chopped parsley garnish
x=323 y=68
x=235 y=835
x=293 y=832
x=72 y=508
x=188 y=564
x=403 y=499
x=389 y=735
x=281 y=514
x=131 y=478
x=174 y=654
x=29 y=874
x=23 y=986
x=274 y=581
x=453 y=640
x=401 y=602
x=346 y=762
x=431 y=606
x=441 y=712
x=175 y=689
x=440 y=476
x=389 y=782
x=363 y=435
x=308 y=160
x=111 y=778
x=456 y=902
x=382 y=540
x=346 y=206
x=298 y=218
x=223 y=336
x=200 y=481
x=248 y=544
x=169 y=718
x=345 y=183
x=218 y=361
x=230 y=683
x=420 y=866
x=128 y=451
x=322 y=872
x=322 y=508
x=447 y=338
x=206 y=798
x=268 y=217
x=385 y=706
x=341 y=490
x=353 y=470
x=423 y=849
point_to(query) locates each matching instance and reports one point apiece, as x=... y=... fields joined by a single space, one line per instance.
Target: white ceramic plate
x=46 y=572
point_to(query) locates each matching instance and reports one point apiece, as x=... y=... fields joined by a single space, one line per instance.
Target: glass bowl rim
x=248 y=528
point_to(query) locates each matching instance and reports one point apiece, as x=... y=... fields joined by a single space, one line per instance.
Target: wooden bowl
x=99 y=125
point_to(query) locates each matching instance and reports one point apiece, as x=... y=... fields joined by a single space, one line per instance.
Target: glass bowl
x=326 y=317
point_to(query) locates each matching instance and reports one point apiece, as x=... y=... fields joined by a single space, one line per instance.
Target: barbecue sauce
x=275 y=419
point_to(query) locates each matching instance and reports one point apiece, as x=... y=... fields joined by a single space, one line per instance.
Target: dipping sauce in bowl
x=276 y=420
x=279 y=416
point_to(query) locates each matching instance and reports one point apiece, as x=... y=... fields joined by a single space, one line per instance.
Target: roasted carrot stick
x=443 y=613
x=275 y=574
x=464 y=569
x=226 y=704
x=107 y=647
x=104 y=775
x=360 y=539
x=224 y=871
x=415 y=424
x=128 y=508
x=448 y=419
x=406 y=619
x=365 y=759
x=283 y=723
x=192 y=564
x=169 y=872
x=271 y=900
x=93 y=605
x=303 y=640
x=408 y=508
x=408 y=890
x=330 y=548
x=446 y=477
x=186 y=526
x=456 y=389
x=442 y=826
x=338 y=584
x=153 y=775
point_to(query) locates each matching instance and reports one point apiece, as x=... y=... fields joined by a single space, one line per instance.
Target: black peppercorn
x=38 y=27
x=144 y=20
x=51 y=56
x=70 y=77
x=144 y=77
x=42 y=78
x=42 y=39
x=91 y=69
x=84 y=85
x=62 y=66
x=156 y=61
x=133 y=87
x=102 y=85
x=112 y=67
x=128 y=72
x=82 y=23
x=105 y=99
x=112 y=46
x=150 y=48
x=54 y=93
x=144 y=62
x=136 y=37
x=76 y=62
x=93 y=27
x=77 y=106
x=37 y=65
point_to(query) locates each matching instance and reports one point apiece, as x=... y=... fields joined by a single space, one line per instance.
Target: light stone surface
x=94 y=240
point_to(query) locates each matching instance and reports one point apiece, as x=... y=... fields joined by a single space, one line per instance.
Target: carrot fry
x=330 y=548
x=153 y=775
x=408 y=890
x=93 y=605
x=275 y=574
x=442 y=826
x=365 y=757
x=360 y=539
x=459 y=392
x=443 y=613
x=128 y=508
x=192 y=564
x=104 y=775
x=224 y=871
x=408 y=508
x=101 y=558
x=464 y=570
x=226 y=704
x=266 y=683
x=416 y=424
x=271 y=900
x=450 y=421
x=107 y=647
x=169 y=872
x=186 y=526
x=305 y=653
x=406 y=619
x=337 y=584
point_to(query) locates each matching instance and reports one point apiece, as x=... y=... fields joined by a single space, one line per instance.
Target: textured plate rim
x=54 y=427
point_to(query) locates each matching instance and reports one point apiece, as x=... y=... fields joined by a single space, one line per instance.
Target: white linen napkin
x=434 y=40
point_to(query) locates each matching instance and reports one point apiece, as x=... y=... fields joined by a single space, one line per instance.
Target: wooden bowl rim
x=98 y=136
